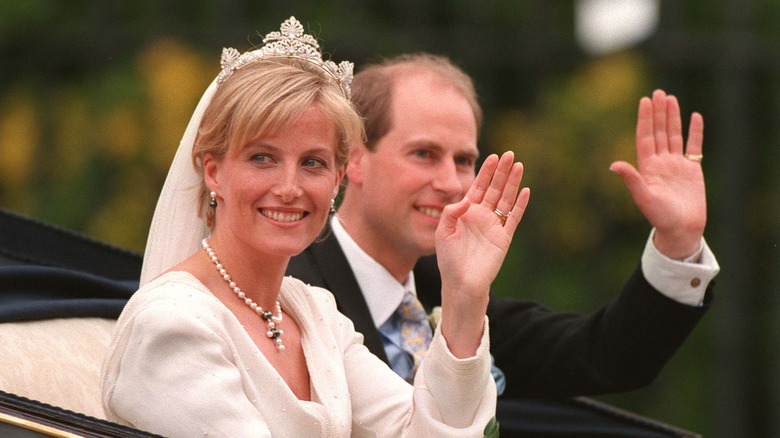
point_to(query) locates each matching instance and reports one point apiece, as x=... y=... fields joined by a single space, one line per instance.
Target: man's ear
x=356 y=163
x=210 y=172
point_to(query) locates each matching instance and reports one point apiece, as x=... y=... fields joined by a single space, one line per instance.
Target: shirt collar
x=383 y=293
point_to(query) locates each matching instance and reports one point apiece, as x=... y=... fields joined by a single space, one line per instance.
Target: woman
x=218 y=342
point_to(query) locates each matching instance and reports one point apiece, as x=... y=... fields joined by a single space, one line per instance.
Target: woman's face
x=274 y=194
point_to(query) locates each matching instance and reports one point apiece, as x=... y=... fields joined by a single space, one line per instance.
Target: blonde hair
x=264 y=97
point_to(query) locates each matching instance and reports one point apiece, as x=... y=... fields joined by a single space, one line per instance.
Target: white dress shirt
x=684 y=281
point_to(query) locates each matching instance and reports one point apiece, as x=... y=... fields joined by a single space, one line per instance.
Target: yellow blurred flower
x=610 y=81
x=175 y=77
x=20 y=133
x=124 y=219
x=73 y=133
x=121 y=132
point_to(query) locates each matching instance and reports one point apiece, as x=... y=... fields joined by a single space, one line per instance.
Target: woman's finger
x=450 y=216
x=497 y=183
x=479 y=186
x=509 y=194
x=516 y=214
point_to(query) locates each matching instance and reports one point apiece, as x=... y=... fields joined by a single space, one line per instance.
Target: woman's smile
x=283 y=216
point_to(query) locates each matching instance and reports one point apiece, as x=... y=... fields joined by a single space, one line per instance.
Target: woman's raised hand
x=472 y=239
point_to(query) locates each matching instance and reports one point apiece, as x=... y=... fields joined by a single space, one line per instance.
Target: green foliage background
x=94 y=97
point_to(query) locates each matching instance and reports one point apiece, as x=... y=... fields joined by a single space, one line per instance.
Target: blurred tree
x=581 y=124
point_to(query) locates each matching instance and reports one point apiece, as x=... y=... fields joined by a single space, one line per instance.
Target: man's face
x=425 y=162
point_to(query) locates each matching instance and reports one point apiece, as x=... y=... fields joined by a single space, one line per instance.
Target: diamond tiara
x=289 y=42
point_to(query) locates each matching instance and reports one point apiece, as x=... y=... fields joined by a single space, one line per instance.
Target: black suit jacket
x=622 y=346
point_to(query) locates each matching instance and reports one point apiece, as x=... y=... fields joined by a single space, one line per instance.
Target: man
x=422 y=124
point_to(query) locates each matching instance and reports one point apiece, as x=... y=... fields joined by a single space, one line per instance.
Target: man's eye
x=464 y=161
x=422 y=153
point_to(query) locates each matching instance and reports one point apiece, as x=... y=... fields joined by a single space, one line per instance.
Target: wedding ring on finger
x=501 y=215
x=694 y=157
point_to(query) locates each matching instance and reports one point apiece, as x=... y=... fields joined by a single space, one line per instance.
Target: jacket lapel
x=427 y=281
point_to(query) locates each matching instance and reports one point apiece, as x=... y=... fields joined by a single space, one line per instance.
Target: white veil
x=176 y=229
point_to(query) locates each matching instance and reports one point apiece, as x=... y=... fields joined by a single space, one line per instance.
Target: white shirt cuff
x=684 y=281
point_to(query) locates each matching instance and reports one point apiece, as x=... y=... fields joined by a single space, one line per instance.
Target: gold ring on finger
x=694 y=157
x=501 y=215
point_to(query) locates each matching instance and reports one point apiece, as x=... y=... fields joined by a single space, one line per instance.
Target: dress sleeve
x=450 y=398
x=172 y=375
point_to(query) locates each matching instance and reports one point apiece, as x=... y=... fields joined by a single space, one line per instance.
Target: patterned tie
x=415 y=330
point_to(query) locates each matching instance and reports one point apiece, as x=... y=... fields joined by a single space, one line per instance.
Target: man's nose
x=446 y=179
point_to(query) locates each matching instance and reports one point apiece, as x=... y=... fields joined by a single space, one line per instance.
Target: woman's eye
x=261 y=158
x=313 y=162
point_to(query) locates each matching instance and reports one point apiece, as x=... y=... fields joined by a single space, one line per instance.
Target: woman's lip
x=283 y=215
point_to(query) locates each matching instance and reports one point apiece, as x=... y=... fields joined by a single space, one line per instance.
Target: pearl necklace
x=273 y=333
